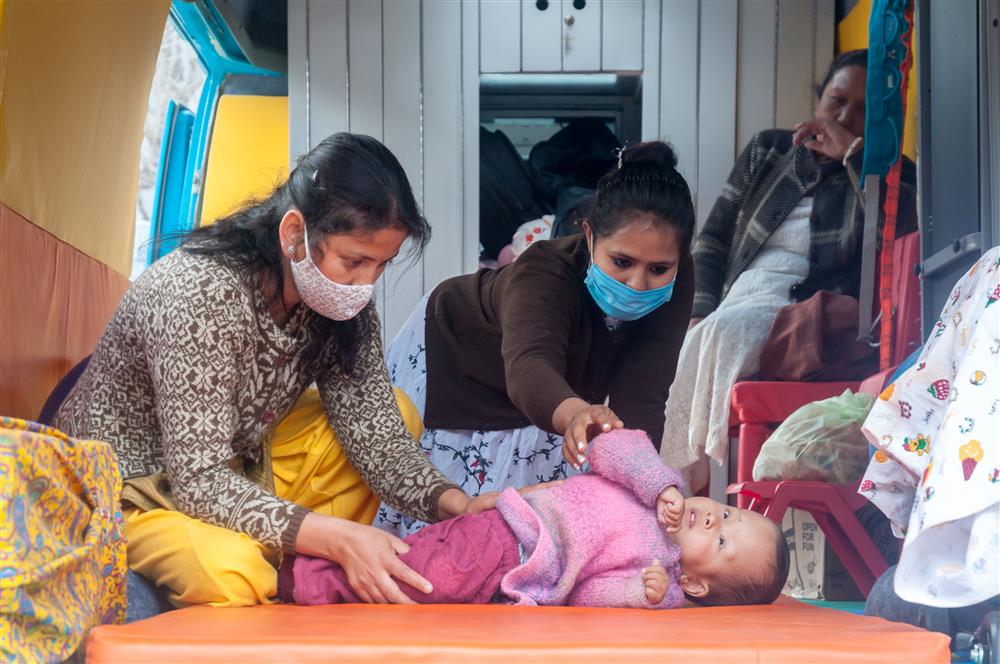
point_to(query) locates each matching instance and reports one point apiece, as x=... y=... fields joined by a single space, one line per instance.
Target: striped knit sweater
x=768 y=180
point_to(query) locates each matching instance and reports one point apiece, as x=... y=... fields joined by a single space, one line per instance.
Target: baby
x=619 y=536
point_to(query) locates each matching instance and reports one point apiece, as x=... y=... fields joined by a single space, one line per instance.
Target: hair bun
x=654 y=153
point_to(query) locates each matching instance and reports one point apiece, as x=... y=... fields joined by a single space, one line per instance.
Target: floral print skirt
x=477 y=461
x=936 y=473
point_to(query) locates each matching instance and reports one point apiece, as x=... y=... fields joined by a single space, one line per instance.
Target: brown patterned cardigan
x=190 y=376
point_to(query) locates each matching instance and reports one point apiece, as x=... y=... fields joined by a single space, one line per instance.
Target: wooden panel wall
x=407 y=71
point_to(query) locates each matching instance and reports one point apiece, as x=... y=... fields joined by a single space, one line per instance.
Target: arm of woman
x=711 y=249
x=362 y=410
x=537 y=312
x=194 y=342
x=643 y=377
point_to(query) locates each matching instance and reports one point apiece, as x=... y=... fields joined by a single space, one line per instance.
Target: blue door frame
x=178 y=200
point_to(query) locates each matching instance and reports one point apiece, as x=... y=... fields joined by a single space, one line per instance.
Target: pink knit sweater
x=587 y=540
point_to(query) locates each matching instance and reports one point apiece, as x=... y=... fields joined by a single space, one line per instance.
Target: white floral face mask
x=324 y=295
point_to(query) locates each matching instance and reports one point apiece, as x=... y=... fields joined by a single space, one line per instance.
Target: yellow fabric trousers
x=204 y=564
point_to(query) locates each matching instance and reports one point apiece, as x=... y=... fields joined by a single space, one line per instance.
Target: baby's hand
x=670 y=508
x=655 y=581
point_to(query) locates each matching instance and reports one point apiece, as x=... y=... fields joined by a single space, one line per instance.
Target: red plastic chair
x=758 y=407
x=833 y=506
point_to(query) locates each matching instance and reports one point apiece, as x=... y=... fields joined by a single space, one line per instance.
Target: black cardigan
x=505 y=347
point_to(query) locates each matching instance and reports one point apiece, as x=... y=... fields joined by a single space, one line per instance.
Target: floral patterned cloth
x=936 y=473
x=477 y=461
x=62 y=549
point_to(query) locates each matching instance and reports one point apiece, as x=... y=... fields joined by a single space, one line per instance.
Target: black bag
x=576 y=156
x=507 y=195
x=573 y=206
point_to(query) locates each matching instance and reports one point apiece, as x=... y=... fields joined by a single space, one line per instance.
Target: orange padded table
x=787 y=631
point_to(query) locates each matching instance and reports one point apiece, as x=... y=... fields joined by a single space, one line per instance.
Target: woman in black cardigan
x=513 y=370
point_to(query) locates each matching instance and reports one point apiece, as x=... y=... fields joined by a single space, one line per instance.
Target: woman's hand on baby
x=455 y=502
x=825 y=136
x=670 y=508
x=369 y=556
x=655 y=582
x=583 y=422
x=484 y=501
x=531 y=488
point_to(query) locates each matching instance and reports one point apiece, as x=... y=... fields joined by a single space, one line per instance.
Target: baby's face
x=716 y=539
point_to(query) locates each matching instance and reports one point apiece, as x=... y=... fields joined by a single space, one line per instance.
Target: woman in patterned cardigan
x=212 y=347
x=789 y=223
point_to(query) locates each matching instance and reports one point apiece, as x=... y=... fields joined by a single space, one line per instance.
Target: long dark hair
x=855 y=58
x=646 y=182
x=345 y=184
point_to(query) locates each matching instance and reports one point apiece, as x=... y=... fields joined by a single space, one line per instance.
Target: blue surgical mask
x=620 y=301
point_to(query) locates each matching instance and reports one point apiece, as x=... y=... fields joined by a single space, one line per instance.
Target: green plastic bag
x=821 y=441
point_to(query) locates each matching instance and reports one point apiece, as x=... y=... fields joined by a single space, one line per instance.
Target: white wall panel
x=364 y=95
x=364 y=39
x=470 y=138
x=541 y=37
x=298 y=79
x=621 y=35
x=651 y=71
x=823 y=41
x=795 y=98
x=679 y=84
x=327 y=69
x=716 y=102
x=442 y=53
x=401 y=46
x=756 y=67
x=500 y=34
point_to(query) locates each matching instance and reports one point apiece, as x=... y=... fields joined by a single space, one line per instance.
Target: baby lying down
x=619 y=536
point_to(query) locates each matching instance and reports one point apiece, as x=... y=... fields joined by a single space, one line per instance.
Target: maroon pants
x=464 y=559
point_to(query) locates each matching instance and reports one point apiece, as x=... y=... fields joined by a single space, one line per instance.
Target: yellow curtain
x=74 y=84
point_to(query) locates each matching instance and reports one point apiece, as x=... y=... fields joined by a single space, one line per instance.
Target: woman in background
x=789 y=223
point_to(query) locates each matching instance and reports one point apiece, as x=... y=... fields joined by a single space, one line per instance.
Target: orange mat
x=788 y=631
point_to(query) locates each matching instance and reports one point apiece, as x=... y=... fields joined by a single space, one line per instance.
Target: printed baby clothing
x=936 y=473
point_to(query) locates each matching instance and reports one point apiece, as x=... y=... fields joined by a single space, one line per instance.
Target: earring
x=291 y=250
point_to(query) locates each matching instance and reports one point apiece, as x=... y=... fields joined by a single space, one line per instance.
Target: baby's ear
x=693 y=586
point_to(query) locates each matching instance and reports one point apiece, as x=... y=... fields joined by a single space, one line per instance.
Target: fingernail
x=579 y=446
x=605 y=426
x=428 y=588
x=581 y=458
